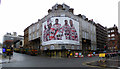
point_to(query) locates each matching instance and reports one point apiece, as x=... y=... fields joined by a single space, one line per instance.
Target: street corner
x=90 y=64
x=100 y=64
x=96 y=64
x=3 y=62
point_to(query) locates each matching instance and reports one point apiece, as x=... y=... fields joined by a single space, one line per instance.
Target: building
x=26 y=42
x=61 y=32
x=101 y=37
x=9 y=39
x=113 y=38
x=34 y=35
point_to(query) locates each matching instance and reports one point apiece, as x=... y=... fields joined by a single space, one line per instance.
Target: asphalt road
x=23 y=60
x=0 y=57
x=0 y=50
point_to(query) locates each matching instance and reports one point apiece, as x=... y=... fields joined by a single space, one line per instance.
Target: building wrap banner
x=60 y=30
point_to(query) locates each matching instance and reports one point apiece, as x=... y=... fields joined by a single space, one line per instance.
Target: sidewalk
x=4 y=60
x=113 y=62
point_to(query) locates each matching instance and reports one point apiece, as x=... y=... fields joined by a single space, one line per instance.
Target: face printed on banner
x=71 y=23
x=50 y=25
x=66 y=22
x=56 y=21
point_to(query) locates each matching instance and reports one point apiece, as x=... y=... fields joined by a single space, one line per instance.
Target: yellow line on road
x=91 y=65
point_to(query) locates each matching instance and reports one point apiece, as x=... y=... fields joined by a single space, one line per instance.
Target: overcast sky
x=16 y=15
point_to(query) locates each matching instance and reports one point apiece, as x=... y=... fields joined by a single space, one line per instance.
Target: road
x=23 y=60
x=0 y=57
x=0 y=50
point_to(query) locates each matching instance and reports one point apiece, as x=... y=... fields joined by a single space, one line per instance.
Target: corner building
x=61 y=33
x=113 y=39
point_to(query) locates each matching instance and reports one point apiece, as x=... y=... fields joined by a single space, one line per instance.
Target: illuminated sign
x=102 y=55
x=4 y=50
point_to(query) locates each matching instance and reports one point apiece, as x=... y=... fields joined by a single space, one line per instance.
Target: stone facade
x=87 y=31
x=113 y=38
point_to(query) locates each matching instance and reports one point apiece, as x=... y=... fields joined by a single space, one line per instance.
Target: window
x=38 y=26
x=112 y=30
x=91 y=27
x=62 y=15
x=33 y=36
x=112 y=47
x=94 y=38
x=112 y=38
x=113 y=35
x=91 y=38
x=108 y=35
x=29 y=37
x=108 y=38
x=85 y=34
x=20 y=42
x=37 y=34
x=113 y=43
x=29 y=31
x=33 y=28
x=94 y=28
x=108 y=31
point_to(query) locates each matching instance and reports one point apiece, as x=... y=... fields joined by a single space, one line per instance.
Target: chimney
x=38 y=20
x=79 y=15
x=14 y=34
x=71 y=10
x=49 y=10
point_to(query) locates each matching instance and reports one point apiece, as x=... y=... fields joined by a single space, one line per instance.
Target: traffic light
x=105 y=47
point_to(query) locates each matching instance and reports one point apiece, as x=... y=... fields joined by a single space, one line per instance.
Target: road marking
x=90 y=65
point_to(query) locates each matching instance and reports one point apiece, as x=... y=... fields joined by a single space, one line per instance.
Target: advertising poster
x=60 y=30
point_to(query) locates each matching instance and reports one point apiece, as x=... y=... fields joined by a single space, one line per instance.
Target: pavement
x=111 y=63
x=2 y=59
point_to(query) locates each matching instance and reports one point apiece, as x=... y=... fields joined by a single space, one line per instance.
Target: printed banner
x=60 y=30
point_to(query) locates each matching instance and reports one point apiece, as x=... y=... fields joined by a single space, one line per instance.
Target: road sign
x=8 y=50
x=102 y=55
x=4 y=50
x=80 y=54
x=93 y=52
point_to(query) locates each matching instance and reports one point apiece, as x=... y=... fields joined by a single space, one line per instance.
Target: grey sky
x=16 y=15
